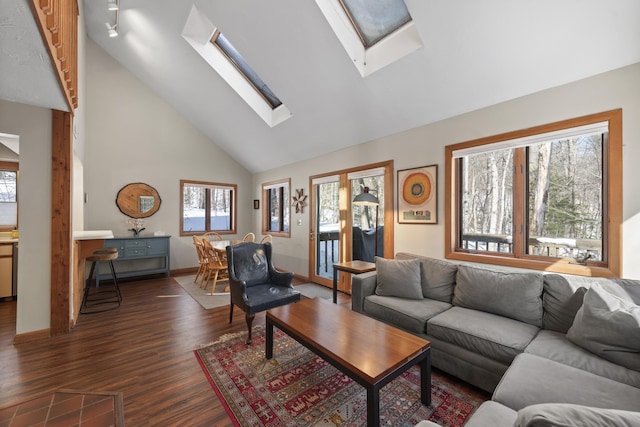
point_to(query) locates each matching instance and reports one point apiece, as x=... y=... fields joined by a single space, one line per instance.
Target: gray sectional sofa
x=548 y=346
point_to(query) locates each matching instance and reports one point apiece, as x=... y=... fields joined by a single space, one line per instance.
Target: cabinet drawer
x=133 y=252
x=6 y=249
x=135 y=243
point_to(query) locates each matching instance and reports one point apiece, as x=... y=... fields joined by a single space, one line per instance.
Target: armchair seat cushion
x=265 y=296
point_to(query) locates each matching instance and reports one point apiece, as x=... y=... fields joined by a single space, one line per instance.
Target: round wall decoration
x=416 y=188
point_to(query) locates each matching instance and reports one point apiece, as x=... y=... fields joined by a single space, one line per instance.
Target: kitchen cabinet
x=6 y=270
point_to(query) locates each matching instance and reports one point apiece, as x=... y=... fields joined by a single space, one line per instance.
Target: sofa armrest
x=362 y=285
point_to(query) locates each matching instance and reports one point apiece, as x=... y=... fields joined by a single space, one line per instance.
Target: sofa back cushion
x=511 y=294
x=563 y=295
x=438 y=276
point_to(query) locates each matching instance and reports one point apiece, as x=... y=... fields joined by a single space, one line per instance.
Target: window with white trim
x=546 y=198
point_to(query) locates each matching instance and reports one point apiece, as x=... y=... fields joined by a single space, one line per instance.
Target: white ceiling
x=475 y=54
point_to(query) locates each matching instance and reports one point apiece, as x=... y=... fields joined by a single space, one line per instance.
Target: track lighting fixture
x=113 y=5
x=112 y=29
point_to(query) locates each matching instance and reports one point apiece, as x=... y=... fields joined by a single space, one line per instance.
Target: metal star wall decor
x=299 y=201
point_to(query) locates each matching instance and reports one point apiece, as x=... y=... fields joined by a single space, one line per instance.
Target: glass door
x=325 y=231
x=343 y=231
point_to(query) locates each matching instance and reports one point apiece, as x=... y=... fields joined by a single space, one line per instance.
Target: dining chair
x=254 y=283
x=202 y=259
x=267 y=238
x=216 y=264
x=249 y=237
x=212 y=236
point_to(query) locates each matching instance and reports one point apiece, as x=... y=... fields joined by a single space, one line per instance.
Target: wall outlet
x=300 y=222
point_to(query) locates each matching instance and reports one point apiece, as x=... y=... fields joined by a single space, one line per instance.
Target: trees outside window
x=8 y=197
x=547 y=197
x=207 y=206
x=276 y=208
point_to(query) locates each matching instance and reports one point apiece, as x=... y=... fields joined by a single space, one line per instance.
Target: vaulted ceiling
x=475 y=54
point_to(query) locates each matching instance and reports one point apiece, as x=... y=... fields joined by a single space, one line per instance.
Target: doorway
x=341 y=231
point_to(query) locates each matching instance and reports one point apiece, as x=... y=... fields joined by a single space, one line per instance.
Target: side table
x=352 y=267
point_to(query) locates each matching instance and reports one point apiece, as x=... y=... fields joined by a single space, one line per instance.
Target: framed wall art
x=418 y=195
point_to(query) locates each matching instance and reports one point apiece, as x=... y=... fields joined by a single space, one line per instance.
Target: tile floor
x=66 y=408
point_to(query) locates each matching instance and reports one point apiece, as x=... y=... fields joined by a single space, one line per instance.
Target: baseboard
x=31 y=336
x=300 y=277
x=183 y=271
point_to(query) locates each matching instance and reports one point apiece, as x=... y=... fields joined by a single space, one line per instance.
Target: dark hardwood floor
x=144 y=349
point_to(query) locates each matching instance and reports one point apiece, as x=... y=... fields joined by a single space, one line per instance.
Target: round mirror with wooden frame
x=138 y=200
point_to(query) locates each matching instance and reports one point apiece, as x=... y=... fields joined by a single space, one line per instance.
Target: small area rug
x=313 y=290
x=201 y=295
x=298 y=388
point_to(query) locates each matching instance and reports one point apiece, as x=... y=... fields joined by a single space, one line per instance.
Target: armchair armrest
x=281 y=278
x=362 y=285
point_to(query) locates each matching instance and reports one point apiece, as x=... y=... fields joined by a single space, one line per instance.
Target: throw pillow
x=568 y=415
x=398 y=278
x=438 y=277
x=608 y=326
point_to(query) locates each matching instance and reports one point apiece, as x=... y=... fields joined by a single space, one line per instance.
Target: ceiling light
x=112 y=29
x=113 y=4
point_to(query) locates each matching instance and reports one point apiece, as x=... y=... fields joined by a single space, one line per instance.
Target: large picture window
x=276 y=211
x=207 y=206
x=545 y=198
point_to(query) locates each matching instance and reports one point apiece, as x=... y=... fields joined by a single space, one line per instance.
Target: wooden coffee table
x=370 y=352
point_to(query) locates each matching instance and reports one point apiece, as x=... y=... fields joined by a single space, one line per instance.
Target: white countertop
x=92 y=234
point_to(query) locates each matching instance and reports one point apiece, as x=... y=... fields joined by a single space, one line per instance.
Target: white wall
x=33 y=125
x=425 y=146
x=135 y=136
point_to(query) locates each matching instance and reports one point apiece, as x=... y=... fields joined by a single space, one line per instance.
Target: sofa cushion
x=398 y=278
x=533 y=379
x=438 y=276
x=567 y=415
x=490 y=335
x=563 y=295
x=492 y=414
x=410 y=315
x=555 y=346
x=608 y=326
x=512 y=294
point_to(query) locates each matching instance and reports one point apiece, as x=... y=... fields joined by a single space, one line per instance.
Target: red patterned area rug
x=298 y=388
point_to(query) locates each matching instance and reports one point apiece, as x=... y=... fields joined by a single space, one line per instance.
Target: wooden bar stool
x=101 y=297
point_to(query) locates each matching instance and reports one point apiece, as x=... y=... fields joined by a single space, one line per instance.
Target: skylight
x=220 y=54
x=375 y=33
x=243 y=66
x=376 y=19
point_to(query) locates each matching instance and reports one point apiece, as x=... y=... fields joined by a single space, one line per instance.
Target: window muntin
x=8 y=199
x=553 y=211
x=207 y=206
x=220 y=41
x=276 y=208
x=376 y=19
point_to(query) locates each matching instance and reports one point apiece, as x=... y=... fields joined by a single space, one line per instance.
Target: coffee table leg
x=269 y=340
x=425 y=379
x=373 y=407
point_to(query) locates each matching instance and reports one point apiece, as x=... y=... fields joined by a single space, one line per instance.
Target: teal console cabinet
x=138 y=256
